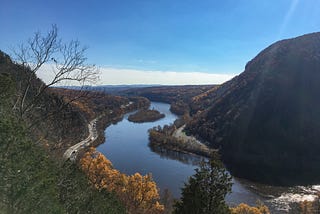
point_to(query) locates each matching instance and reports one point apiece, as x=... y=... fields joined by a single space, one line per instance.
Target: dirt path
x=181 y=135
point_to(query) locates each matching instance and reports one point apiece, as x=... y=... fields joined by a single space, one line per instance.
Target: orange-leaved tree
x=142 y=194
x=100 y=171
x=138 y=193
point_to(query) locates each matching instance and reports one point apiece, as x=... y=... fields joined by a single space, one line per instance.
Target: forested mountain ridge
x=265 y=121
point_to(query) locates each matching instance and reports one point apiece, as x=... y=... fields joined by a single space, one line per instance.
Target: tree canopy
x=206 y=189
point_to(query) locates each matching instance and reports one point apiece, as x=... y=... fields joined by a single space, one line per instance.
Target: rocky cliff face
x=266 y=121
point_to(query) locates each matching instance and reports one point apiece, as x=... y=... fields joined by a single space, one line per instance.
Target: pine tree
x=206 y=190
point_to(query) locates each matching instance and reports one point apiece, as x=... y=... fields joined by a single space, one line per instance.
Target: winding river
x=127 y=148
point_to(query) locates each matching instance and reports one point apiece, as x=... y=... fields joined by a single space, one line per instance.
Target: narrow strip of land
x=72 y=151
x=181 y=135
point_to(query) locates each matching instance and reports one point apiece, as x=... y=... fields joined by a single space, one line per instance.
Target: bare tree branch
x=69 y=66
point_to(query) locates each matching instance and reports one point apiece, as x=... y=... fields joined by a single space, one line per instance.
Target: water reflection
x=189 y=159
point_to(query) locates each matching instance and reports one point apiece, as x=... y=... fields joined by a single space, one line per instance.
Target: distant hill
x=167 y=94
x=178 y=96
x=266 y=121
x=110 y=89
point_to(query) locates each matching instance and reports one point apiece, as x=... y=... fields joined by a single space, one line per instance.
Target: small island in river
x=146 y=116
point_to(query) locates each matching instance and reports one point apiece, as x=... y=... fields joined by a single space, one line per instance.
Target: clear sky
x=181 y=36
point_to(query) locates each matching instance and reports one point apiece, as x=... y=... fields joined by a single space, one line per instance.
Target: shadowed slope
x=266 y=120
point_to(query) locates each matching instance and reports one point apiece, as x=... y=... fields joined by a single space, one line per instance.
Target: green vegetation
x=145 y=116
x=206 y=190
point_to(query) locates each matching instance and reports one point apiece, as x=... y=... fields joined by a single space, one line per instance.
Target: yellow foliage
x=138 y=193
x=142 y=193
x=246 y=209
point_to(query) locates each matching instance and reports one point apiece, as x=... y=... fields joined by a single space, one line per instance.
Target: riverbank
x=174 y=139
x=96 y=136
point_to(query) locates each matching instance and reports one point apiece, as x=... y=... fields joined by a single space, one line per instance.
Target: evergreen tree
x=206 y=190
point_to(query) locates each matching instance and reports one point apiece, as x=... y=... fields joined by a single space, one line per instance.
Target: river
x=127 y=148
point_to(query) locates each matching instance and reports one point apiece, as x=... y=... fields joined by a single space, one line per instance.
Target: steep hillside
x=31 y=180
x=57 y=125
x=266 y=121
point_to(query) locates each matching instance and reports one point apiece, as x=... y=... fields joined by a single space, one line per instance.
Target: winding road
x=71 y=153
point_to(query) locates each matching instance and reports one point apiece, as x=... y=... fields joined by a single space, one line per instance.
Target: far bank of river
x=127 y=148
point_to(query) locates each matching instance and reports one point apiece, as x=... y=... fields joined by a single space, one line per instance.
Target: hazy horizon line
x=118 y=76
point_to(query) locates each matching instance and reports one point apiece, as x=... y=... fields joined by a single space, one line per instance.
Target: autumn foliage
x=138 y=193
x=246 y=209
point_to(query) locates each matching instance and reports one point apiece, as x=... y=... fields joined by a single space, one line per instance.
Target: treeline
x=168 y=94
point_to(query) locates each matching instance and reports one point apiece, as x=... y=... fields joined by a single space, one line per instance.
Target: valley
x=264 y=123
x=130 y=140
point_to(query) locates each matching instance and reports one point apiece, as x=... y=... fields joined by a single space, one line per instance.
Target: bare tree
x=67 y=61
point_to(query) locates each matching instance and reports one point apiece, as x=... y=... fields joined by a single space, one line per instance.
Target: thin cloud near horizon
x=117 y=76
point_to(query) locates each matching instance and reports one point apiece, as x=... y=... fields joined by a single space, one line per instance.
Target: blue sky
x=207 y=36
